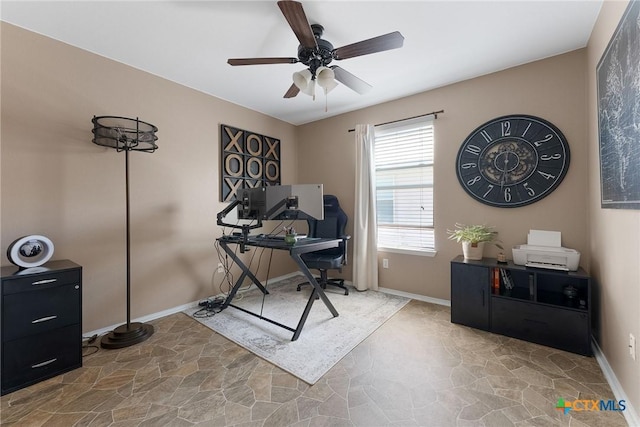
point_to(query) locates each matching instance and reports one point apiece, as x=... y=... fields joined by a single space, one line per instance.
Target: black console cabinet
x=40 y=323
x=547 y=307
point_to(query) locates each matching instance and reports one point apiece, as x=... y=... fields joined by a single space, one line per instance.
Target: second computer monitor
x=260 y=203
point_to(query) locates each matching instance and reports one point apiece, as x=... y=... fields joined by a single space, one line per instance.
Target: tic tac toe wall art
x=248 y=159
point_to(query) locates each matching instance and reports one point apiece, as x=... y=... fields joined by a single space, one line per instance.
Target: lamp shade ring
x=124 y=133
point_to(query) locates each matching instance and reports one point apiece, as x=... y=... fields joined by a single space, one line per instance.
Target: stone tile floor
x=418 y=369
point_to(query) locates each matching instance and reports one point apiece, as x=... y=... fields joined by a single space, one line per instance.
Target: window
x=404 y=185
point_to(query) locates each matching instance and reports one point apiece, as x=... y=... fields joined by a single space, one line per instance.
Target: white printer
x=544 y=250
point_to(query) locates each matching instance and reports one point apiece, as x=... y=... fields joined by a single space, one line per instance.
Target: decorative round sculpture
x=30 y=251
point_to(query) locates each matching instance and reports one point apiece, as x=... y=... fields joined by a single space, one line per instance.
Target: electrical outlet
x=220 y=268
x=385 y=263
x=632 y=346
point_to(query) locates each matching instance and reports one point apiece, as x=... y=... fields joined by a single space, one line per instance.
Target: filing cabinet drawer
x=28 y=313
x=555 y=327
x=29 y=360
x=40 y=281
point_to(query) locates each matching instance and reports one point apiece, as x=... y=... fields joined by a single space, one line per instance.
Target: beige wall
x=57 y=183
x=614 y=245
x=552 y=89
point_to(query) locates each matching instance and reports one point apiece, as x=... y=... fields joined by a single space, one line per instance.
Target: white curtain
x=365 y=251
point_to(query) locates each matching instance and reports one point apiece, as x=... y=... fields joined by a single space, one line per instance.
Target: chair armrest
x=345 y=238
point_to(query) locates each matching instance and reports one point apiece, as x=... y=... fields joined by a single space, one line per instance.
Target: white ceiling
x=190 y=42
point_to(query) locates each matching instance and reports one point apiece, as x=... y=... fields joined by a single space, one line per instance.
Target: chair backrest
x=334 y=222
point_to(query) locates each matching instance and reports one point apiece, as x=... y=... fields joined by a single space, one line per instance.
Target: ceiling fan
x=317 y=53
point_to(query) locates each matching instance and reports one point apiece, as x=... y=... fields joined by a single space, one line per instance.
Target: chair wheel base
x=338 y=283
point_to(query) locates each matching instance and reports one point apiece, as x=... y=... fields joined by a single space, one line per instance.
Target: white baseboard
x=409 y=295
x=177 y=309
x=438 y=301
x=629 y=413
x=144 y=319
x=192 y=304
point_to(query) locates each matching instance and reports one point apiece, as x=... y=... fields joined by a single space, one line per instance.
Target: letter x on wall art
x=248 y=159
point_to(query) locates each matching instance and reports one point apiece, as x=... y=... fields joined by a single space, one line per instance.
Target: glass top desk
x=302 y=246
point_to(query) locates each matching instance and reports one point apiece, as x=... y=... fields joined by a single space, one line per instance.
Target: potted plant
x=473 y=238
x=290 y=235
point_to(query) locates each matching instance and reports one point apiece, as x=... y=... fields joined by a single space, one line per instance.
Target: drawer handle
x=44 y=282
x=539 y=322
x=44 y=319
x=40 y=365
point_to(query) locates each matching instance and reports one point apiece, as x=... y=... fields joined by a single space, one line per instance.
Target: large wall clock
x=512 y=161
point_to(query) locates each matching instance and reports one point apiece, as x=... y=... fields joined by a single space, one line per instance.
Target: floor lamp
x=126 y=135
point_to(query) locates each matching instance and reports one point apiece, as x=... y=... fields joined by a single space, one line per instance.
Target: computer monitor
x=297 y=201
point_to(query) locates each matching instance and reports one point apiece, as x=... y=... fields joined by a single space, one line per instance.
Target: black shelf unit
x=548 y=307
x=40 y=323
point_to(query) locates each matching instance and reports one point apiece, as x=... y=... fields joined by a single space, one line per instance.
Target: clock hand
x=504 y=170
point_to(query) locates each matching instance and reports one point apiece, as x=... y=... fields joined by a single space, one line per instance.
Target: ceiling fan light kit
x=326 y=79
x=302 y=80
x=306 y=81
x=317 y=53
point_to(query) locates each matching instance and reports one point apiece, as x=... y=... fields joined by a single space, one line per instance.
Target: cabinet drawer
x=28 y=360
x=40 y=281
x=556 y=327
x=28 y=313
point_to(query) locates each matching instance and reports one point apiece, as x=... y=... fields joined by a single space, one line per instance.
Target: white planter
x=473 y=251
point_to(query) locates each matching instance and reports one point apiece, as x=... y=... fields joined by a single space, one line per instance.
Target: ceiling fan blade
x=351 y=81
x=377 y=44
x=258 y=61
x=294 y=13
x=293 y=91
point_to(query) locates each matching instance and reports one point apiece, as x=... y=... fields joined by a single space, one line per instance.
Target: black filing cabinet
x=40 y=323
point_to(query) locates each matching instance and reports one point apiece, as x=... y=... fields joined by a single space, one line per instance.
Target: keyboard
x=277 y=236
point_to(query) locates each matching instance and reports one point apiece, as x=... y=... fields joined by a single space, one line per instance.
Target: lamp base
x=127 y=335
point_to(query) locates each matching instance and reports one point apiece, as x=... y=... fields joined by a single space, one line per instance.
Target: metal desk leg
x=245 y=272
x=317 y=290
x=304 y=316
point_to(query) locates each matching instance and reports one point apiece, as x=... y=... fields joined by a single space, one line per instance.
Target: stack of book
x=502 y=277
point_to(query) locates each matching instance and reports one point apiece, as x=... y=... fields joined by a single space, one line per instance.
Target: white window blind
x=404 y=184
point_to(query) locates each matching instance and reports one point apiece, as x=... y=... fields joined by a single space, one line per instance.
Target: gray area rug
x=324 y=339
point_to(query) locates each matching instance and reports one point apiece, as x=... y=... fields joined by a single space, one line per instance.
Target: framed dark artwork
x=618 y=79
x=248 y=160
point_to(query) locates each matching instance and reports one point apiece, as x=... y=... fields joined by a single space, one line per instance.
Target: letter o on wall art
x=248 y=160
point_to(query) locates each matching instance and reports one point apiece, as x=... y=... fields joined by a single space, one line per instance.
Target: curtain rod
x=433 y=113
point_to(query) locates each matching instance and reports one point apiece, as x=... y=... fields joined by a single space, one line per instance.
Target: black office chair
x=332 y=226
